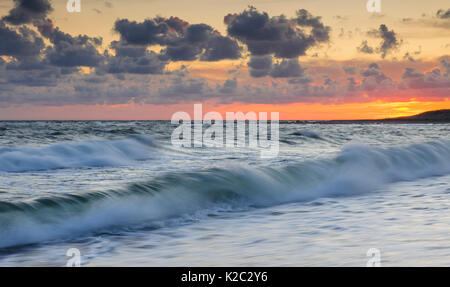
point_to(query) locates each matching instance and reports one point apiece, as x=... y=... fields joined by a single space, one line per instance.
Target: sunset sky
x=146 y=59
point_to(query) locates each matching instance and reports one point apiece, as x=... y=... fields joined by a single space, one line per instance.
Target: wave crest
x=357 y=169
x=92 y=153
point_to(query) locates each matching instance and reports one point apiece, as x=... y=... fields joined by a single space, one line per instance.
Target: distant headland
x=442 y=116
x=438 y=116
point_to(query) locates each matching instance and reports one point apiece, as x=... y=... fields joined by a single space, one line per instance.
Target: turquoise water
x=124 y=196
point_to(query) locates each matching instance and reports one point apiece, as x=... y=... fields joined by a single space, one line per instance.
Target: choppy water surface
x=123 y=195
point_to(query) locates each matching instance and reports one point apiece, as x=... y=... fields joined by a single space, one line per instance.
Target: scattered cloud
x=287 y=68
x=389 y=41
x=181 y=41
x=277 y=35
x=365 y=48
x=442 y=14
x=28 y=11
x=40 y=64
x=19 y=43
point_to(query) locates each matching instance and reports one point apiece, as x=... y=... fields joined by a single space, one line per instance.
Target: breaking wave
x=357 y=169
x=308 y=134
x=94 y=153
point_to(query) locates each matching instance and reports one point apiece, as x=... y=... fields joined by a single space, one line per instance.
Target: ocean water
x=123 y=195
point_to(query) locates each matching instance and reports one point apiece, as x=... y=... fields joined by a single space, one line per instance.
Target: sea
x=120 y=193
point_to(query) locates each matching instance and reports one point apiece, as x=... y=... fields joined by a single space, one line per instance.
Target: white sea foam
x=93 y=153
x=357 y=169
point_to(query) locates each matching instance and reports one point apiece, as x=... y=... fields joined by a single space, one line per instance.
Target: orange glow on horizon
x=350 y=111
x=297 y=111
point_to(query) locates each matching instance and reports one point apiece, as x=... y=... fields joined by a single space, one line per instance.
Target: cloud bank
x=42 y=65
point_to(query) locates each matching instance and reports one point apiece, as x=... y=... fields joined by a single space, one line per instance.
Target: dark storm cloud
x=303 y=81
x=230 y=86
x=445 y=64
x=79 y=89
x=27 y=65
x=148 y=63
x=365 y=48
x=372 y=70
x=442 y=14
x=181 y=41
x=122 y=73
x=277 y=35
x=260 y=63
x=287 y=69
x=109 y=91
x=414 y=79
x=81 y=52
x=28 y=11
x=175 y=24
x=19 y=43
x=320 y=32
x=219 y=48
x=35 y=71
x=148 y=32
x=374 y=78
x=41 y=77
x=105 y=89
x=190 y=44
x=185 y=90
x=132 y=59
x=388 y=43
x=260 y=66
x=438 y=78
x=128 y=50
x=68 y=50
x=200 y=41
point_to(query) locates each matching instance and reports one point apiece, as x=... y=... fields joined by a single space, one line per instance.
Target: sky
x=147 y=59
